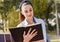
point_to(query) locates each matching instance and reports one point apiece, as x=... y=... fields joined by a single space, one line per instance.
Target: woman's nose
x=29 y=13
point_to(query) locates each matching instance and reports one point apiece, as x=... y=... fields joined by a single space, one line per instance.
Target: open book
x=17 y=32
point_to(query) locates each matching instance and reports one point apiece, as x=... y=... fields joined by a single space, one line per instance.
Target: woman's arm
x=44 y=30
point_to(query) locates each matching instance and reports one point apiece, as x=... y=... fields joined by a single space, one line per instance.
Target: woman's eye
x=30 y=10
x=26 y=11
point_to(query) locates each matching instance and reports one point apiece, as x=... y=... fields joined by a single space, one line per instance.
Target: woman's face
x=27 y=11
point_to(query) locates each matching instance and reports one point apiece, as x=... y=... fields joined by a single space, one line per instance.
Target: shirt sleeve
x=44 y=30
x=19 y=25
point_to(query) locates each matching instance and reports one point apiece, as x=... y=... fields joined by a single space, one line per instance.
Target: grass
x=53 y=36
x=57 y=40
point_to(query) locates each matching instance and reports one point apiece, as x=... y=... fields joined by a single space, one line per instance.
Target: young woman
x=27 y=18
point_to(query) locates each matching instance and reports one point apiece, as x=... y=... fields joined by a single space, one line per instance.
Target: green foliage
x=58 y=7
x=13 y=18
x=39 y=8
x=8 y=13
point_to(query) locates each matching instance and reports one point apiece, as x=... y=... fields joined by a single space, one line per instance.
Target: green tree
x=13 y=18
x=39 y=8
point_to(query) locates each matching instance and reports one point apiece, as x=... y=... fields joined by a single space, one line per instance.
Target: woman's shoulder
x=39 y=20
x=20 y=24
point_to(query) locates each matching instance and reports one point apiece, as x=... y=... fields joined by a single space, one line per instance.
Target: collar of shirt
x=26 y=23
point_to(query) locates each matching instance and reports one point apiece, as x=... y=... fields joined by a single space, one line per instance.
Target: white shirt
x=25 y=23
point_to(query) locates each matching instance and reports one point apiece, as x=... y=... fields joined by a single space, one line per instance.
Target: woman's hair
x=20 y=7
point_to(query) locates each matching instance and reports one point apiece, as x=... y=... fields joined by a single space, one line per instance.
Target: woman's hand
x=29 y=35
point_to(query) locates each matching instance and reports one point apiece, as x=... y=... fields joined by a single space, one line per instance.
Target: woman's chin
x=30 y=17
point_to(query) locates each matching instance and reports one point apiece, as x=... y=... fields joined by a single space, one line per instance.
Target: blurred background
x=48 y=10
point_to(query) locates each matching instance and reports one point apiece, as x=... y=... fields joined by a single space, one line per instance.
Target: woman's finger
x=24 y=33
x=34 y=34
x=33 y=31
x=29 y=31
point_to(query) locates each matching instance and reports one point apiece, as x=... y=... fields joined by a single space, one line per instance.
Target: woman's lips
x=29 y=15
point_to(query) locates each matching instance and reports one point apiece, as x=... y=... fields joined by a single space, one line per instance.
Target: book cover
x=17 y=32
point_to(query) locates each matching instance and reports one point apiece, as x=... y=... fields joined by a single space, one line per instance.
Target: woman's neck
x=30 y=21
